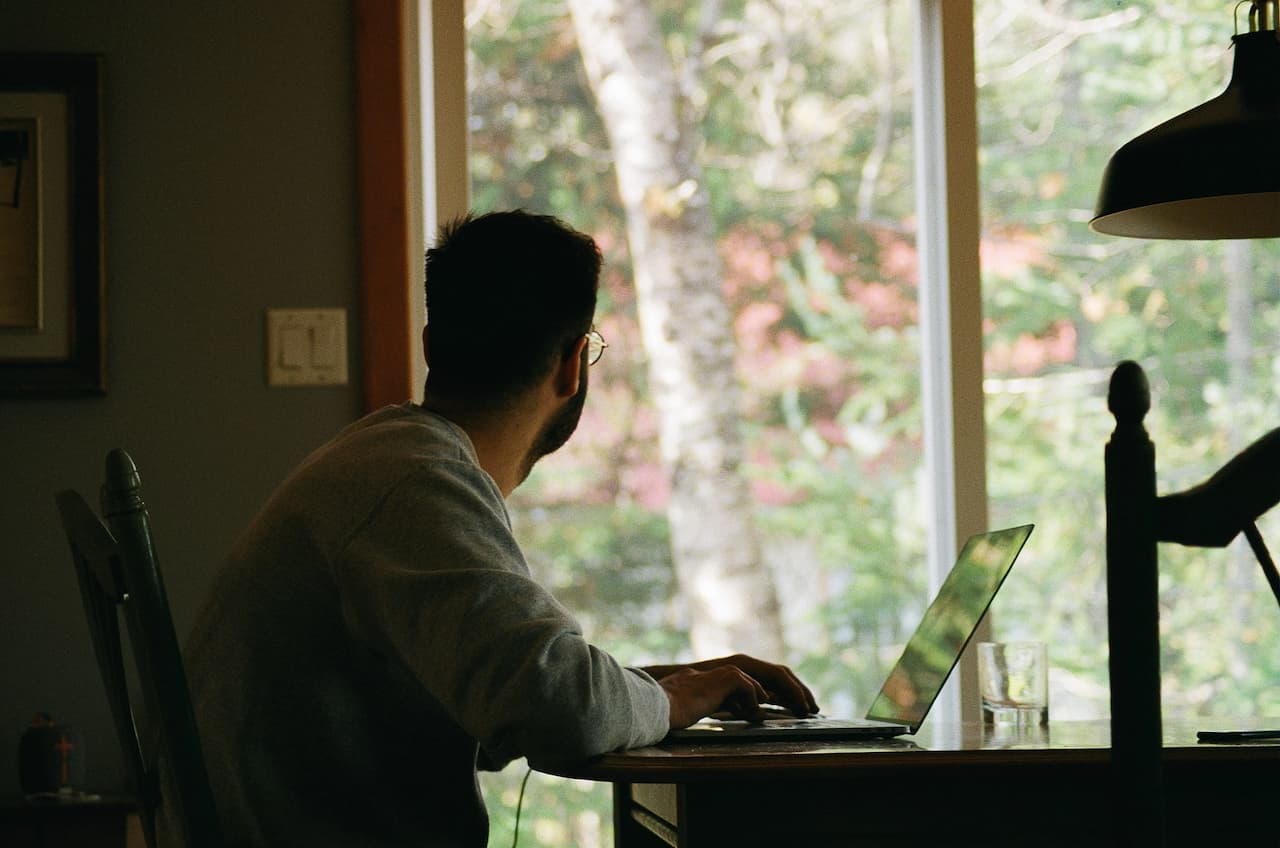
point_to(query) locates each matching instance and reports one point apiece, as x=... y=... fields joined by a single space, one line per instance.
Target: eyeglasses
x=595 y=346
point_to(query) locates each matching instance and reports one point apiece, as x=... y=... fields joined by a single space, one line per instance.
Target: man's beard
x=558 y=430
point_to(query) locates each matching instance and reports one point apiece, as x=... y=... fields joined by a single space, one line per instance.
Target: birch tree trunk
x=686 y=328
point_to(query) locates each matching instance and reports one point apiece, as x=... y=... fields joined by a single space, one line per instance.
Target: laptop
x=916 y=679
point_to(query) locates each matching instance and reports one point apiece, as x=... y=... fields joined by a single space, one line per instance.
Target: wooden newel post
x=1133 y=618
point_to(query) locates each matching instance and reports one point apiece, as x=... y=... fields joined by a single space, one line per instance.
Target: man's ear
x=569 y=371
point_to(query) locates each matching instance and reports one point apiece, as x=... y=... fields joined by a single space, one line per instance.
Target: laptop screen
x=934 y=649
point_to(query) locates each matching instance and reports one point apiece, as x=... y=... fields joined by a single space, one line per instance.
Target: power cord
x=515 y=834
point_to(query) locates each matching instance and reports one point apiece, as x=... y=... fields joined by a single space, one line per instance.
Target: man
x=376 y=633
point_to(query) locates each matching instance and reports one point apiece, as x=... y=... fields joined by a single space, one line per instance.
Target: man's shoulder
x=406 y=453
x=404 y=433
x=396 y=467
x=379 y=454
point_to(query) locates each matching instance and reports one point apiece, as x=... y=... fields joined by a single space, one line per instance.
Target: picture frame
x=52 y=275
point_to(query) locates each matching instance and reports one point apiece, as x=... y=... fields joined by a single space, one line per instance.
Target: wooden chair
x=118 y=573
x=1133 y=617
x=1208 y=515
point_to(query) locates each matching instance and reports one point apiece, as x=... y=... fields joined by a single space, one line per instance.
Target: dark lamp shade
x=1210 y=173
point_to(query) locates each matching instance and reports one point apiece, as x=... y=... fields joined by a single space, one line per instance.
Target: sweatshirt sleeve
x=435 y=579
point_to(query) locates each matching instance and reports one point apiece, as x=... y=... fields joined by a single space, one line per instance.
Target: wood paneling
x=389 y=321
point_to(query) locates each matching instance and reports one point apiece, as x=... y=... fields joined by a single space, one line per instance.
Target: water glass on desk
x=1013 y=678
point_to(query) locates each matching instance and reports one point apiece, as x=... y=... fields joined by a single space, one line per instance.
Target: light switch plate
x=306 y=347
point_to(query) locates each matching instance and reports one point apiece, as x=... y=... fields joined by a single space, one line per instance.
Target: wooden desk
x=946 y=786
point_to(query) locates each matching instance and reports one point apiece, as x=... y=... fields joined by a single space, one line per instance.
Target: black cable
x=1264 y=557
x=515 y=833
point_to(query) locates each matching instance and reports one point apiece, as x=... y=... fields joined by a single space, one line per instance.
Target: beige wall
x=230 y=188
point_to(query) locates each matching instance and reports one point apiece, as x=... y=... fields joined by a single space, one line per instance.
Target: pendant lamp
x=1212 y=172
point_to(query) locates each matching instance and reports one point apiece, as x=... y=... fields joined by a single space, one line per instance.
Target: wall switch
x=306 y=347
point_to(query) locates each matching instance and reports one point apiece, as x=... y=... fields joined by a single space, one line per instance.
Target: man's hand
x=694 y=694
x=738 y=685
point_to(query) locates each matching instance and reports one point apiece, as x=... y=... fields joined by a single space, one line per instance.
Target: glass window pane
x=1061 y=83
x=748 y=472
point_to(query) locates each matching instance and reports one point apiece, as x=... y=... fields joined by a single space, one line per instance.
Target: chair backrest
x=119 y=574
x=1209 y=515
x=1133 y=618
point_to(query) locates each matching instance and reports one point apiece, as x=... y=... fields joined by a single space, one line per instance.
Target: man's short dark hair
x=508 y=294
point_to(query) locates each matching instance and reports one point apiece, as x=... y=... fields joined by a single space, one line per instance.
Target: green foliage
x=555 y=811
x=1164 y=304
x=612 y=567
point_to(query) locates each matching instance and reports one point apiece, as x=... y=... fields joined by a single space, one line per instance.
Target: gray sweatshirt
x=374 y=631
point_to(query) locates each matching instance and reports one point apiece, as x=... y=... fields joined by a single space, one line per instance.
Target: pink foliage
x=749 y=258
x=830 y=431
x=837 y=261
x=884 y=305
x=647 y=484
x=754 y=322
x=1029 y=354
x=1006 y=254
x=899 y=259
x=771 y=493
x=823 y=369
x=763 y=458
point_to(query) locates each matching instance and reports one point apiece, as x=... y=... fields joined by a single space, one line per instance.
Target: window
x=1060 y=83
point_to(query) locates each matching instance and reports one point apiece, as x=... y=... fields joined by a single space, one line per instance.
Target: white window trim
x=946 y=143
x=441 y=76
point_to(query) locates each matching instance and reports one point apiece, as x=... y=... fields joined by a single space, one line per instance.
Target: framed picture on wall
x=52 y=322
